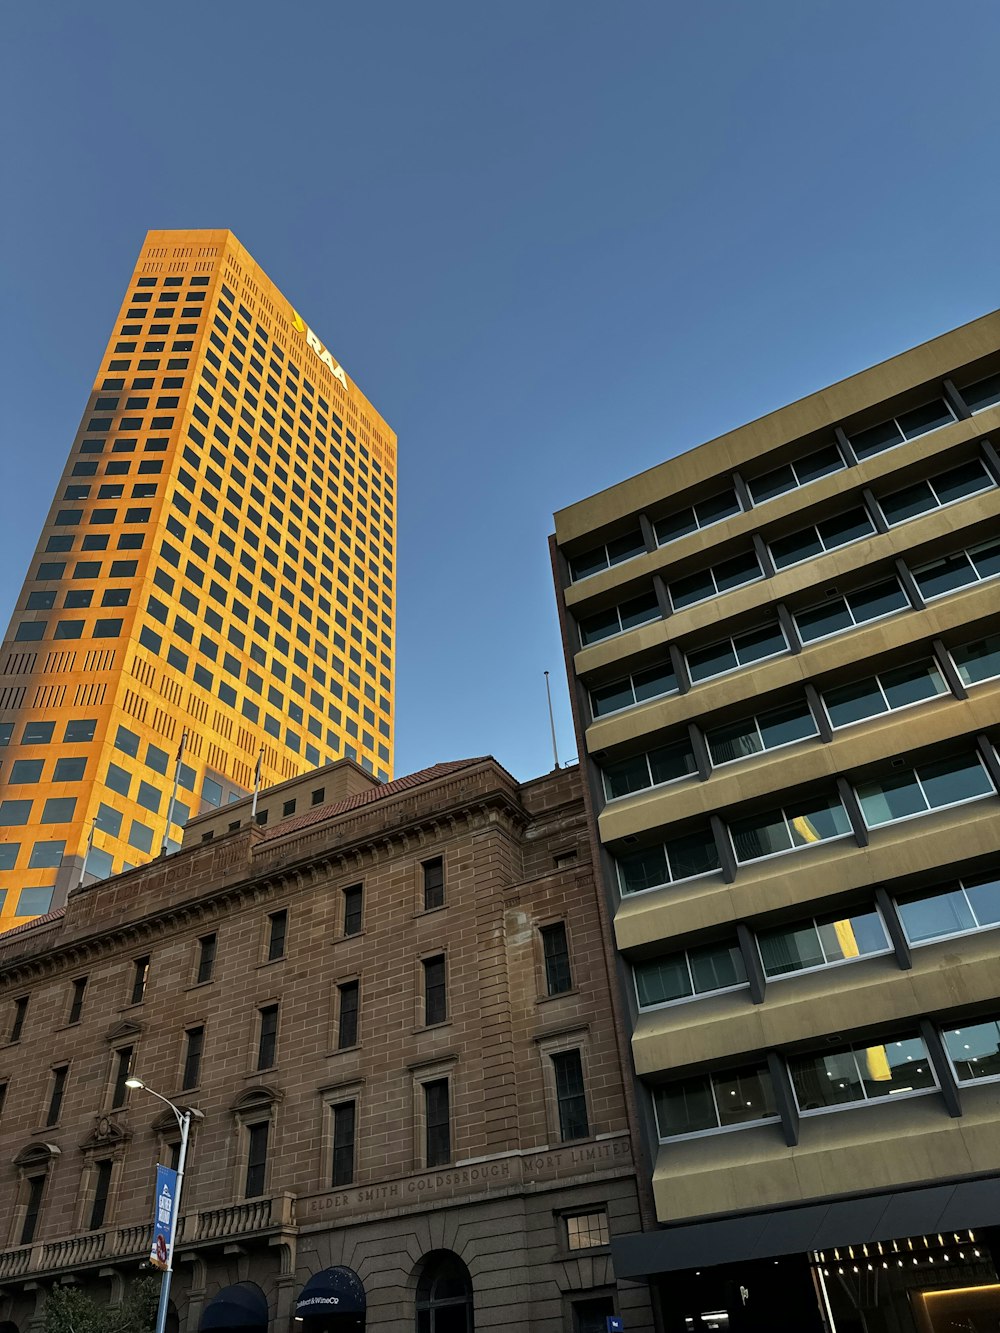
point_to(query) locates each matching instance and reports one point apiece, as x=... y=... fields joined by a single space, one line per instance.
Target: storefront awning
x=333 y=1291
x=241 y=1306
x=820 y=1226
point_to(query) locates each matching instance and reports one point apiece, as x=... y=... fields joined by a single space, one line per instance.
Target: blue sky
x=554 y=241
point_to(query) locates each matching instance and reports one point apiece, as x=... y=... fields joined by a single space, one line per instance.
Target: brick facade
x=516 y=859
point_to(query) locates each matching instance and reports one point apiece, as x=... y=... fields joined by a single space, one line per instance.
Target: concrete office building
x=218 y=563
x=784 y=655
x=393 y=1010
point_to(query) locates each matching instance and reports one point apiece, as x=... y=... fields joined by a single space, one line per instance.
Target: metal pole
x=184 y=1120
x=173 y=792
x=552 y=721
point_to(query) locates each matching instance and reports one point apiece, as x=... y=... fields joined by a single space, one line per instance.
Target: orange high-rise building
x=215 y=580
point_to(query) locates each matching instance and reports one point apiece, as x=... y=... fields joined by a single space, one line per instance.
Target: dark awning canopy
x=820 y=1226
x=333 y=1291
x=241 y=1306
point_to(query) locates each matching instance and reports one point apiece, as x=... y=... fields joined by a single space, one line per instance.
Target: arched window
x=444 y=1295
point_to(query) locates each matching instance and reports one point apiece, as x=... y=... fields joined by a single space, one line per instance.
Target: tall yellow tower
x=214 y=584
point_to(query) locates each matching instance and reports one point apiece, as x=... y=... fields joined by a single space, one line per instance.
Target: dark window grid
x=267 y=1044
x=437 y=1123
x=353 y=906
x=257 y=1137
x=56 y=1095
x=33 y=1207
x=140 y=976
x=344 y=1128
x=555 y=950
x=571 y=1099
x=435 y=991
x=277 y=935
x=76 y=1003
x=102 y=1192
x=206 y=957
x=193 y=1049
x=123 y=1066
x=349 y=998
x=433 y=883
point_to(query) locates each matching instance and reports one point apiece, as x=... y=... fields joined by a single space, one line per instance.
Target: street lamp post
x=183 y=1119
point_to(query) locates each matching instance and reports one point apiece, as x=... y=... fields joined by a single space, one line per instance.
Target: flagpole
x=86 y=854
x=173 y=791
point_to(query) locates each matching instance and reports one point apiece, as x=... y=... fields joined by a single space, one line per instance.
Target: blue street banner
x=160 y=1255
x=615 y=1323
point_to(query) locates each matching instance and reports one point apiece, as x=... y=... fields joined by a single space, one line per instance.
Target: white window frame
x=977 y=577
x=651 y=785
x=799 y=484
x=855 y=624
x=825 y=966
x=786 y=851
x=764 y=749
x=986 y=406
x=740 y=666
x=866 y=1100
x=877 y=678
x=965 y=1082
x=717 y=591
x=972 y=684
x=608 y=564
x=636 y=703
x=719 y=1129
x=653 y=888
x=930 y=809
x=907 y=439
x=698 y=527
x=840 y=546
x=656 y=615
x=681 y=999
x=951 y=934
x=991 y=484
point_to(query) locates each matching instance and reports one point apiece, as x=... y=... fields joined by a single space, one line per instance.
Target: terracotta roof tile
x=320 y=813
x=30 y=925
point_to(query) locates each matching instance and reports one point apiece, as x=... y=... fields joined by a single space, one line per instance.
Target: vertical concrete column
x=787 y=623
x=662 y=597
x=819 y=712
x=948 y=669
x=727 y=858
x=909 y=584
x=700 y=750
x=648 y=535
x=742 y=493
x=751 y=962
x=874 y=510
x=942 y=1068
x=858 y=826
x=784 y=1097
x=894 y=926
x=955 y=400
x=846 y=447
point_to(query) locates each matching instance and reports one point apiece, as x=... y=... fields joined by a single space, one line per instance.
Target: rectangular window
x=194 y=1044
x=267 y=1041
x=816 y=539
x=607 y=555
x=843 y=613
x=821 y=942
x=437 y=1123
x=257 y=1136
x=707 y=583
x=433 y=872
x=571 y=1100
x=831 y=1079
x=766 y=731
x=555 y=952
x=724 y=1100
x=727 y=655
x=979 y=660
x=808 y=821
x=939 y=577
x=687 y=973
x=586 y=1231
x=140 y=976
x=653 y=683
x=206 y=957
x=435 y=991
x=277 y=934
x=33 y=1206
x=907 y=426
x=26 y=771
x=984 y=393
x=127 y=741
x=344 y=1124
x=681 y=857
x=884 y=693
x=76 y=732
x=973 y=904
x=975 y=1050
x=929 y=786
x=353 y=904
x=348 y=998
x=14 y=813
x=58 y=810
x=123 y=1067
x=668 y=763
x=56 y=1094
x=702 y=515
x=790 y=476
x=946 y=488
x=617 y=619
x=70 y=769
x=76 y=1001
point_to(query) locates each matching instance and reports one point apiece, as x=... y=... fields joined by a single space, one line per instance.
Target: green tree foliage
x=70 y=1310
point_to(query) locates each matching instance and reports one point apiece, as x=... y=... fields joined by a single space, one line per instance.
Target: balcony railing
x=214 y=1224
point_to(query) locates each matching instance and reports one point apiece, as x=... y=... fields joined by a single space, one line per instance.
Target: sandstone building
x=392 y=1008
